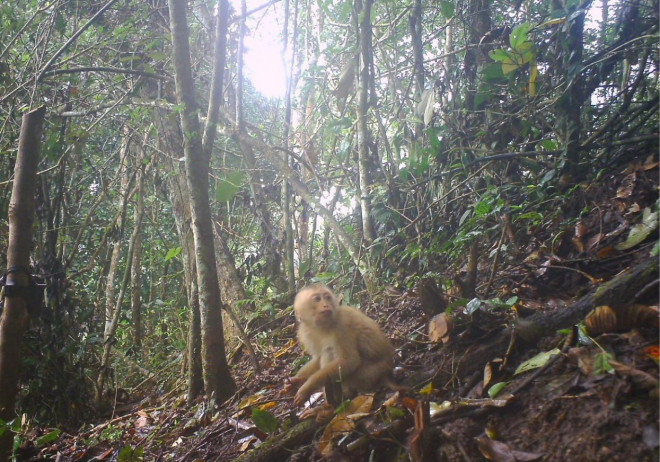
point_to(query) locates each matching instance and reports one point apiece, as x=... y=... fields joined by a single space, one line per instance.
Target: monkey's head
x=316 y=305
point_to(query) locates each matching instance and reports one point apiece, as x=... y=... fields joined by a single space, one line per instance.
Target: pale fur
x=350 y=347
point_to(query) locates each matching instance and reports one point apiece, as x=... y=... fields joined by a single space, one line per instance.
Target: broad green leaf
x=48 y=438
x=493 y=72
x=499 y=55
x=229 y=186
x=172 y=253
x=549 y=145
x=519 y=34
x=534 y=217
x=447 y=8
x=482 y=208
x=537 y=361
x=265 y=421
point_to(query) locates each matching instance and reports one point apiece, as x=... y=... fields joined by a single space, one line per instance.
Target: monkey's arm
x=309 y=368
x=334 y=370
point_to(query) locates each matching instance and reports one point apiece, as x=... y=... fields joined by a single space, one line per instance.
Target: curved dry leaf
x=440 y=328
x=605 y=318
x=488 y=374
x=601 y=319
x=344 y=422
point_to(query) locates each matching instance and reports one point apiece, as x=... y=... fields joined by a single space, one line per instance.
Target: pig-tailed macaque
x=350 y=353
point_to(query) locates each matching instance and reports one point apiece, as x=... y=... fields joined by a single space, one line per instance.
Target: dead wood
x=622 y=289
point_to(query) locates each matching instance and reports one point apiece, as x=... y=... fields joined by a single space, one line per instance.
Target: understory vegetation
x=483 y=160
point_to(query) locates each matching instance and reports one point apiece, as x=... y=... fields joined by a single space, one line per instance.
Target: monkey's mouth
x=325 y=314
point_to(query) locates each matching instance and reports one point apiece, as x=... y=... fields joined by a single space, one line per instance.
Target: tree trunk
x=218 y=382
x=570 y=102
x=418 y=56
x=234 y=294
x=136 y=270
x=14 y=318
x=111 y=303
x=113 y=323
x=287 y=214
x=365 y=81
x=475 y=57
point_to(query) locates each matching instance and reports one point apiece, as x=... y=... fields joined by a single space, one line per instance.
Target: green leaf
x=173 y=253
x=519 y=35
x=496 y=389
x=499 y=55
x=549 y=145
x=482 y=208
x=493 y=72
x=534 y=217
x=129 y=454
x=640 y=231
x=447 y=9
x=229 y=186
x=158 y=55
x=537 y=361
x=434 y=139
x=265 y=421
x=602 y=363
x=48 y=438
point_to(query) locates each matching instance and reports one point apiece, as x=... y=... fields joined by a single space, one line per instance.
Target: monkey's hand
x=302 y=395
x=292 y=382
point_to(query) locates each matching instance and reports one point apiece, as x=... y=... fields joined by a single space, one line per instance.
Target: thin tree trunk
x=286 y=189
x=570 y=103
x=233 y=294
x=118 y=232
x=216 y=96
x=218 y=382
x=111 y=326
x=418 y=56
x=136 y=270
x=14 y=319
x=171 y=141
x=475 y=57
x=365 y=81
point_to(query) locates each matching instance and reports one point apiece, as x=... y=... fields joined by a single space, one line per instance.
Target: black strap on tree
x=33 y=293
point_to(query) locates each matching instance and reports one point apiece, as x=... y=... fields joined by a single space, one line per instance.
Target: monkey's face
x=324 y=308
x=318 y=306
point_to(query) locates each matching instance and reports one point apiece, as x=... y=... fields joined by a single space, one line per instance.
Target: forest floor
x=585 y=393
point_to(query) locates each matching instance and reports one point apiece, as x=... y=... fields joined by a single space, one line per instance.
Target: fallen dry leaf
x=440 y=328
x=344 y=422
